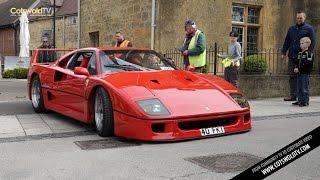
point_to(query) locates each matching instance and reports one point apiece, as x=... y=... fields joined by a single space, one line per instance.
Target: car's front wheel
x=36 y=95
x=103 y=113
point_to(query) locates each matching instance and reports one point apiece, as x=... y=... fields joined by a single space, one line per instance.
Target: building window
x=252 y=40
x=247 y=26
x=237 y=14
x=253 y=15
x=72 y=20
x=94 y=39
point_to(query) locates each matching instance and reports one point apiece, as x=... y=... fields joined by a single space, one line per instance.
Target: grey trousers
x=231 y=74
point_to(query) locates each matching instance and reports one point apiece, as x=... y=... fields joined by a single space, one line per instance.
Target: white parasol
x=24 y=37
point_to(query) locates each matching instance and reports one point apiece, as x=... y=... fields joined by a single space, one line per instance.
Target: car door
x=50 y=81
x=72 y=87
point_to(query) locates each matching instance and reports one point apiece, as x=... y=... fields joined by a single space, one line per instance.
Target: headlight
x=153 y=107
x=240 y=100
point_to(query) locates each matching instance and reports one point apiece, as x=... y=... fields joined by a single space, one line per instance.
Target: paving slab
x=29 y=118
x=276 y=106
x=10 y=127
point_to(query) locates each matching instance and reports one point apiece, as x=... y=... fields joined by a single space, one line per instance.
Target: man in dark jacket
x=46 y=55
x=292 y=44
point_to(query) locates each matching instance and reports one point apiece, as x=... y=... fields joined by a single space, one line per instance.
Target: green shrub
x=18 y=73
x=8 y=73
x=255 y=64
x=21 y=73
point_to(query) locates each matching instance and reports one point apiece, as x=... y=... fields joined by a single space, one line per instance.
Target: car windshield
x=133 y=60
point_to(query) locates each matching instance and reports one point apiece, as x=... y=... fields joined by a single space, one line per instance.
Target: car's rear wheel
x=36 y=95
x=103 y=113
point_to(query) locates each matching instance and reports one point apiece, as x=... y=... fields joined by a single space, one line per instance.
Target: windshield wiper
x=124 y=67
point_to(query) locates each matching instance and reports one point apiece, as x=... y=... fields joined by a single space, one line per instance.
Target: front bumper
x=179 y=129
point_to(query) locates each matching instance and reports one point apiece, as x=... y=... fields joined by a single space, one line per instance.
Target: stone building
x=66 y=26
x=100 y=19
x=40 y=24
x=261 y=23
x=9 y=26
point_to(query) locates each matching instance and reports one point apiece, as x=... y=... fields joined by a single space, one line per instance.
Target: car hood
x=183 y=93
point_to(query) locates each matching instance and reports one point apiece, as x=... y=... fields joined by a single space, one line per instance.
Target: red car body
x=199 y=105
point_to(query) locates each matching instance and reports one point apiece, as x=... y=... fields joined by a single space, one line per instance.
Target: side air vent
x=155 y=81
x=59 y=76
x=50 y=96
x=188 y=79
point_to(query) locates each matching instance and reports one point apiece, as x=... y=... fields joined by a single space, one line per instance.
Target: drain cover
x=104 y=144
x=226 y=163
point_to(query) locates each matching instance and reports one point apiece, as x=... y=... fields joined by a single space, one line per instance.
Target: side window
x=92 y=65
x=64 y=62
x=79 y=60
x=72 y=63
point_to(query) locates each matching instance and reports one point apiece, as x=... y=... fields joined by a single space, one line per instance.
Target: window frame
x=246 y=25
x=243 y=15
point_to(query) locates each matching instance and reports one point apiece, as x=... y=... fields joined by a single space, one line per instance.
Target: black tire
x=103 y=113
x=36 y=92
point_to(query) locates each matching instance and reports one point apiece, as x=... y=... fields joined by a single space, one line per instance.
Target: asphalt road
x=16 y=107
x=62 y=158
x=13 y=90
x=13 y=86
x=13 y=97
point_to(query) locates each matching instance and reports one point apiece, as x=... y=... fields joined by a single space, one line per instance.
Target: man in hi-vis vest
x=194 y=48
x=121 y=41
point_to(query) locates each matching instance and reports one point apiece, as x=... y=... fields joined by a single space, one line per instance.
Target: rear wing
x=47 y=56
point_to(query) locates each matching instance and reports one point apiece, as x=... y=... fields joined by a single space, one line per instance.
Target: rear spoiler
x=47 y=56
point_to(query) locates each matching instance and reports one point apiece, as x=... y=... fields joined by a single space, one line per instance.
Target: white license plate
x=212 y=131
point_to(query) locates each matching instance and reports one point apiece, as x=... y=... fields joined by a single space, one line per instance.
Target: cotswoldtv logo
x=43 y=11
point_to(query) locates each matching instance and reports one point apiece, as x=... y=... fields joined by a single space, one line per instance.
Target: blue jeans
x=303 y=88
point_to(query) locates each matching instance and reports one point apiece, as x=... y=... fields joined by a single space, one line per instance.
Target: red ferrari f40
x=136 y=94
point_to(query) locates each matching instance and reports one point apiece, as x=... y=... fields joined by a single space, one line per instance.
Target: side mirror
x=81 y=71
x=171 y=60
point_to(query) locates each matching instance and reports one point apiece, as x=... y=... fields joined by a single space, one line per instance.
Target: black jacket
x=304 y=62
x=292 y=41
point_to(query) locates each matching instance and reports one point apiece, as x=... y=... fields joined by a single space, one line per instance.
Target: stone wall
x=212 y=16
x=261 y=86
x=105 y=17
x=66 y=32
x=35 y=29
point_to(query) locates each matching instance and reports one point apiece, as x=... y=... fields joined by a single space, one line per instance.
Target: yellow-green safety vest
x=198 y=60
